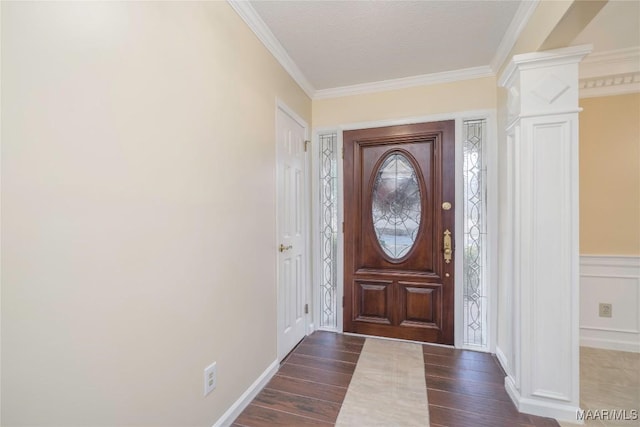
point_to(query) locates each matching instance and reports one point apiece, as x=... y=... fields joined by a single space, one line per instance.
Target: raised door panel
x=373 y=301
x=420 y=304
x=291 y=244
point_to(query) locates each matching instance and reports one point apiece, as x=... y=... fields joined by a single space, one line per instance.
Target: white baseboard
x=238 y=406
x=631 y=345
x=327 y=329
x=614 y=280
x=311 y=328
x=540 y=407
x=502 y=359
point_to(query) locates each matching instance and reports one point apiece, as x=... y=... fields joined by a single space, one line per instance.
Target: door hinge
x=306 y=309
x=306 y=142
x=342 y=301
x=343 y=151
x=343 y=226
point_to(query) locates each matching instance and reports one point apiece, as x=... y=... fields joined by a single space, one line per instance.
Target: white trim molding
x=618 y=84
x=519 y=21
x=611 y=62
x=264 y=34
x=504 y=362
x=250 y=393
x=614 y=280
x=534 y=406
x=615 y=72
x=543 y=303
x=406 y=82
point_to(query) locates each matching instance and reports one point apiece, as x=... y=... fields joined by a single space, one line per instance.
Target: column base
x=561 y=411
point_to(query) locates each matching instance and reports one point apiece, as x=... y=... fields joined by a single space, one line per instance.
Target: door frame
x=308 y=325
x=492 y=214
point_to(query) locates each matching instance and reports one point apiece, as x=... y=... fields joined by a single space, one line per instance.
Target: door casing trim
x=492 y=214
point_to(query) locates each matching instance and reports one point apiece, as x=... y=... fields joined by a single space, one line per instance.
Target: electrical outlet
x=605 y=310
x=210 y=378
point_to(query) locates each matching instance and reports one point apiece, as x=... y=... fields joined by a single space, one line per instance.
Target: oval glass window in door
x=396 y=205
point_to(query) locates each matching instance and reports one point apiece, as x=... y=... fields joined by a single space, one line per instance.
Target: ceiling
x=343 y=43
x=336 y=48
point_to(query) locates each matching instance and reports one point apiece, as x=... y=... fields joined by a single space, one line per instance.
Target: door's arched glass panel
x=396 y=205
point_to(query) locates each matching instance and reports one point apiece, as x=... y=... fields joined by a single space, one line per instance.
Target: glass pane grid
x=475 y=234
x=328 y=229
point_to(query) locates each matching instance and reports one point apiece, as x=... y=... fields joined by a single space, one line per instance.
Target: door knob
x=284 y=248
x=447 y=246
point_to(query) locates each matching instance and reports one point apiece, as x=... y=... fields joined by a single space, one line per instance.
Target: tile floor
x=609 y=380
x=388 y=387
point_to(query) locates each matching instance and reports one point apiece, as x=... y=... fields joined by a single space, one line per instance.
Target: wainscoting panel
x=614 y=280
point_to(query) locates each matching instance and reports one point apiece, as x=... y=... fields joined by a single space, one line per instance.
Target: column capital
x=542 y=83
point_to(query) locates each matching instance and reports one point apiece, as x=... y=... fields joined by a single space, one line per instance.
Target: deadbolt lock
x=446 y=206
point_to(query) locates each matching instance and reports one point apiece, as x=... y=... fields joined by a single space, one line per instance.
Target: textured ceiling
x=341 y=43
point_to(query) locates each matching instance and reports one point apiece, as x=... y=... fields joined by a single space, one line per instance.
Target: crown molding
x=405 y=82
x=610 y=63
x=619 y=84
x=527 y=61
x=609 y=73
x=519 y=21
x=264 y=34
x=601 y=74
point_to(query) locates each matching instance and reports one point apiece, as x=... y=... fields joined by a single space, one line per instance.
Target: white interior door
x=292 y=244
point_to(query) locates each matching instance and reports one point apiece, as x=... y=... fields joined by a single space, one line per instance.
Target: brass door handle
x=284 y=248
x=447 y=247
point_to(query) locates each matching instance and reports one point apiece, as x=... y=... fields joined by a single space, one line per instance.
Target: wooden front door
x=399 y=213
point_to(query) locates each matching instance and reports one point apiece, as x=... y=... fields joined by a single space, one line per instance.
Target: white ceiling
x=342 y=43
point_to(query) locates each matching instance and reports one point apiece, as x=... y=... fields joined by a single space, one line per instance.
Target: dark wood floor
x=310 y=386
x=465 y=388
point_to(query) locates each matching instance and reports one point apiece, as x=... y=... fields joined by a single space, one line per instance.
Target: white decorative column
x=542 y=140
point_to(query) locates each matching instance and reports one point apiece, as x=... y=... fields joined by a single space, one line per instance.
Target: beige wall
x=138 y=224
x=453 y=97
x=610 y=175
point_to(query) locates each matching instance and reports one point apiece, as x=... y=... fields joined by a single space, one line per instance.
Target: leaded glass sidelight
x=328 y=169
x=475 y=233
x=396 y=205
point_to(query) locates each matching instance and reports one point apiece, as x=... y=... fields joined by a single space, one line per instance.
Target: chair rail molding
x=542 y=133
